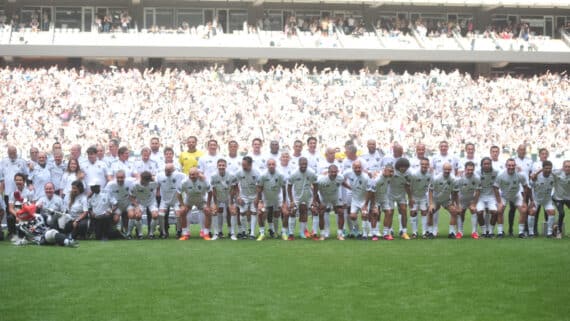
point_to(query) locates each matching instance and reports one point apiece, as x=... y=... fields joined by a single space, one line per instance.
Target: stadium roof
x=462 y=3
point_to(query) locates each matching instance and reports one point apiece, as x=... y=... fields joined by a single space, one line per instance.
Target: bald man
x=359 y=182
x=194 y=190
x=443 y=194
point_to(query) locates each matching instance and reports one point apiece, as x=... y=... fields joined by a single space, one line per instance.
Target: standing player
x=297 y=153
x=469 y=157
x=561 y=195
x=489 y=197
x=124 y=164
x=168 y=183
x=299 y=190
x=273 y=151
x=155 y=153
x=419 y=183
x=415 y=162
x=208 y=163
x=233 y=159
x=327 y=194
x=259 y=160
x=379 y=200
x=469 y=188
x=312 y=155
x=189 y=159
x=40 y=174
x=194 y=190
x=246 y=180
x=509 y=182
x=498 y=164
x=146 y=163
x=359 y=183
x=543 y=155
x=399 y=189
x=440 y=196
x=524 y=166
x=542 y=184
x=373 y=158
x=222 y=200
x=271 y=192
x=143 y=202
x=437 y=165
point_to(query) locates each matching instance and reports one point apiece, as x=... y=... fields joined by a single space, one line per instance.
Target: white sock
x=284 y=231
x=400 y=221
x=339 y=233
x=215 y=225
x=492 y=230
x=138 y=224
x=262 y=230
x=252 y=225
x=435 y=225
x=202 y=219
x=346 y=226
x=530 y=230
x=161 y=226
x=302 y=227
x=459 y=224
x=500 y=228
x=386 y=231
x=153 y=222
x=243 y=224
x=221 y=219
x=292 y=222
x=550 y=224
x=206 y=231
x=185 y=231
x=424 y=224
x=473 y=223
x=487 y=223
x=363 y=223
x=275 y=224
x=452 y=229
x=327 y=223
x=233 y=223
x=131 y=226
x=414 y=220
x=316 y=220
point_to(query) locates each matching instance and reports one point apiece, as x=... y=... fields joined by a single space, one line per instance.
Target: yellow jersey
x=189 y=160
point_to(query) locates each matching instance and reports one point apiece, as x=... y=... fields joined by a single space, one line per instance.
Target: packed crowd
x=81 y=107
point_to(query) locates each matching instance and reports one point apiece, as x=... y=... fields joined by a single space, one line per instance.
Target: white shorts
x=465 y=203
x=384 y=204
x=272 y=203
x=356 y=207
x=420 y=205
x=518 y=201
x=487 y=202
x=548 y=205
x=399 y=199
x=247 y=205
x=165 y=205
x=143 y=208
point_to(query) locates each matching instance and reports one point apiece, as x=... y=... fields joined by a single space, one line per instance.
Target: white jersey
x=419 y=183
x=398 y=185
x=330 y=190
x=109 y=160
x=54 y=204
x=40 y=176
x=158 y=157
x=542 y=188
x=274 y=157
x=100 y=203
x=347 y=165
x=148 y=166
x=373 y=160
x=208 y=164
x=57 y=173
x=464 y=160
x=467 y=186
x=127 y=166
x=247 y=182
x=524 y=165
x=487 y=182
x=302 y=185
x=381 y=188
x=499 y=165
x=442 y=188
x=415 y=164
x=95 y=173
x=79 y=206
x=313 y=160
x=169 y=186
x=437 y=162
x=259 y=162
x=359 y=185
x=272 y=185
x=222 y=185
x=233 y=164
x=194 y=191
x=145 y=195
x=510 y=185
x=9 y=168
x=120 y=194
x=323 y=166
x=561 y=185
x=294 y=161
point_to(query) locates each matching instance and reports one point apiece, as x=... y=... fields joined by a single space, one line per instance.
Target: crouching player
x=328 y=196
x=270 y=195
x=379 y=200
x=194 y=190
x=440 y=196
x=143 y=201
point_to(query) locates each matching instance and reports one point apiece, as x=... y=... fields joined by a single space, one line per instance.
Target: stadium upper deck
x=483 y=31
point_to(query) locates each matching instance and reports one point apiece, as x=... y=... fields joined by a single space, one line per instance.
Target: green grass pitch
x=509 y=279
